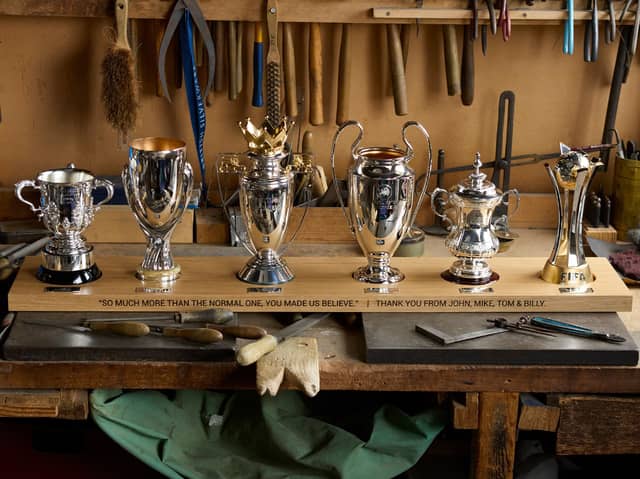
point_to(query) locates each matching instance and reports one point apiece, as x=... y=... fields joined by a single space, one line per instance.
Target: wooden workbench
x=342 y=366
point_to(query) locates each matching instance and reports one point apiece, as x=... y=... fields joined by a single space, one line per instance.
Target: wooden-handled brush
x=119 y=89
x=273 y=66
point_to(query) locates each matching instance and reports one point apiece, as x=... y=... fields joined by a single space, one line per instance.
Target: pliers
x=179 y=9
x=492 y=22
x=591 y=35
x=568 y=30
x=636 y=24
x=611 y=24
x=504 y=21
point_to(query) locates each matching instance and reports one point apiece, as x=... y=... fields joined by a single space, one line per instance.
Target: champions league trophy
x=157 y=182
x=381 y=200
x=66 y=209
x=266 y=174
x=573 y=173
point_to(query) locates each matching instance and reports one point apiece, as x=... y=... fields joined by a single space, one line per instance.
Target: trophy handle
x=422 y=130
x=107 y=185
x=434 y=195
x=354 y=147
x=505 y=199
x=228 y=163
x=31 y=184
x=301 y=163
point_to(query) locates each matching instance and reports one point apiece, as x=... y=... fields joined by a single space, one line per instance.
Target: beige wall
x=51 y=110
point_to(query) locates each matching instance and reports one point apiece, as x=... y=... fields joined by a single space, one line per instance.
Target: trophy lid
x=476 y=184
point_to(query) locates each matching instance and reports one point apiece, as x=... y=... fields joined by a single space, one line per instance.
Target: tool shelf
x=321 y=11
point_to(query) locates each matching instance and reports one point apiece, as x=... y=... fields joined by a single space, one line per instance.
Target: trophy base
x=82 y=276
x=388 y=275
x=159 y=276
x=569 y=275
x=266 y=270
x=470 y=281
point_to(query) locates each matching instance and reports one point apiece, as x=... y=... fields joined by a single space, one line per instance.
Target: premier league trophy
x=157 y=183
x=573 y=173
x=381 y=201
x=266 y=173
x=66 y=209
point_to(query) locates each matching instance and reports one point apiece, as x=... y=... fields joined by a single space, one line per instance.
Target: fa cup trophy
x=573 y=173
x=382 y=203
x=157 y=183
x=66 y=209
x=266 y=173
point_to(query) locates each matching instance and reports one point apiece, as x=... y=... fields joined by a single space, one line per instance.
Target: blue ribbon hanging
x=194 y=95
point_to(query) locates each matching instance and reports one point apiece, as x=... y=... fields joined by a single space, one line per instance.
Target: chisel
x=344 y=75
x=289 y=70
x=398 y=78
x=241 y=331
x=451 y=61
x=467 y=67
x=316 y=113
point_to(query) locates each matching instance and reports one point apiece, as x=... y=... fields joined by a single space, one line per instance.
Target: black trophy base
x=68 y=277
x=469 y=281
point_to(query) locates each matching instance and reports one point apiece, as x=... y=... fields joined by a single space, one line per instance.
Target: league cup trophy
x=157 y=182
x=381 y=200
x=472 y=238
x=66 y=209
x=266 y=173
x=573 y=173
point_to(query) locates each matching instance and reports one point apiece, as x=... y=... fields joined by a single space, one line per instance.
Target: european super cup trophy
x=573 y=173
x=157 y=182
x=382 y=203
x=66 y=209
x=266 y=173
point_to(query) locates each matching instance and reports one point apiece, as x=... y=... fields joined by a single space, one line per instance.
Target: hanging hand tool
x=493 y=23
x=474 y=19
x=239 y=56
x=567 y=47
x=218 y=316
x=258 y=65
x=451 y=60
x=125 y=328
x=184 y=12
x=232 y=59
x=316 y=113
x=468 y=73
x=636 y=24
x=591 y=35
x=398 y=79
x=273 y=67
x=218 y=80
x=502 y=163
x=504 y=21
x=611 y=24
x=251 y=352
x=344 y=75
x=289 y=70
x=571 y=329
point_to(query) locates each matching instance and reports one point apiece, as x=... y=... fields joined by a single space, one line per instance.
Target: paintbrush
x=119 y=88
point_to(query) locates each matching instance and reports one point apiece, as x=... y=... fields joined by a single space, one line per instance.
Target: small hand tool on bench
x=240 y=331
x=518 y=327
x=217 y=316
x=571 y=329
x=252 y=352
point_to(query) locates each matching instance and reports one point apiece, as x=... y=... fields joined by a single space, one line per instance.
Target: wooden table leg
x=494 y=442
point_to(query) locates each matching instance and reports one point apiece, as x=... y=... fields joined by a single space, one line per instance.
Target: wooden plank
x=598 y=425
x=465 y=415
x=536 y=415
x=321 y=284
x=494 y=443
x=335 y=11
x=116 y=224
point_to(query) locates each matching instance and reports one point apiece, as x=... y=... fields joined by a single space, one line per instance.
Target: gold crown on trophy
x=263 y=141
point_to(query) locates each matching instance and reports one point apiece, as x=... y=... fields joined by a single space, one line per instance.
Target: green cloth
x=213 y=435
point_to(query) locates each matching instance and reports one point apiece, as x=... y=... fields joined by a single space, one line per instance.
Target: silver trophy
x=266 y=190
x=157 y=183
x=66 y=209
x=381 y=200
x=472 y=238
x=573 y=173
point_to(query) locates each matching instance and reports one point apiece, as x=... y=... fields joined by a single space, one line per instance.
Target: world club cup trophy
x=571 y=177
x=66 y=210
x=381 y=200
x=266 y=175
x=157 y=182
